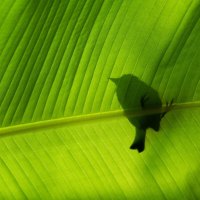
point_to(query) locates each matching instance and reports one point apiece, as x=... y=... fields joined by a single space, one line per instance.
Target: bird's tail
x=139 y=142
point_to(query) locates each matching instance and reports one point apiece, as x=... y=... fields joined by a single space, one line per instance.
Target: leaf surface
x=63 y=133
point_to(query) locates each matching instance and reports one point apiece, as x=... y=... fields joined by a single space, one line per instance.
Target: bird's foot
x=168 y=107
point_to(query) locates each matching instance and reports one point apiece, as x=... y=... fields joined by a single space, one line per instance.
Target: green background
x=56 y=58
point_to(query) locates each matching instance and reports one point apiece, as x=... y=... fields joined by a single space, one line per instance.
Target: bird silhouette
x=133 y=93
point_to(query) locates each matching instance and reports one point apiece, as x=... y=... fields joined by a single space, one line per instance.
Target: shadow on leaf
x=133 y=93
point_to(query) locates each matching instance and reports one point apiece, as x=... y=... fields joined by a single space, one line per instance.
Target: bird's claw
x=167 y=108
x=169 y=105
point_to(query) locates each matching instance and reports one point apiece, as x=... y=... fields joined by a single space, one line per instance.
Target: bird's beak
x=114 y=80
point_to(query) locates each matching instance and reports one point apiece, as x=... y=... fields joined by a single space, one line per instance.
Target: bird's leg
x=168 y=108
x=143 y=99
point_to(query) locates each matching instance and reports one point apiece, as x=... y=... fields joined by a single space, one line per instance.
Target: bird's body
x=133 y=93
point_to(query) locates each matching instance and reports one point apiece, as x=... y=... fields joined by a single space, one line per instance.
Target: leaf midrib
x=59 y=122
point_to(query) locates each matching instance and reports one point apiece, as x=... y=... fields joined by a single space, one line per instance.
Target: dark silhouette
x=132 y=94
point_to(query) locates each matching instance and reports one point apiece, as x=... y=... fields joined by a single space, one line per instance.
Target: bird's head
x=125 y=79
x=114 y=80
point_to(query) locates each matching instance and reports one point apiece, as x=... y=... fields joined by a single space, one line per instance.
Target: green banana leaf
x=64 y=133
